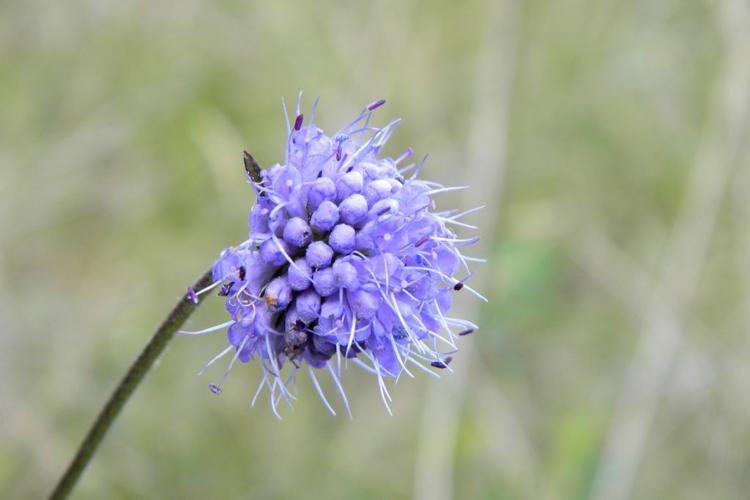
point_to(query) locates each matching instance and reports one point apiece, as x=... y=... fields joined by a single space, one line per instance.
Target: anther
x=214 y=388
x=191 y=295
x=298 y=121
x=458 y=286
x=442 y=363
x=466 y=332
x=375 y=105
x=421 y=241
x=242 y=273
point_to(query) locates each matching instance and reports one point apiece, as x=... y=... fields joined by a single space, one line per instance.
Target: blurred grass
x=121 y=129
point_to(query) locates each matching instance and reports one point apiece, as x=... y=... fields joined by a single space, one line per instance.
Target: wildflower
x=346 y=259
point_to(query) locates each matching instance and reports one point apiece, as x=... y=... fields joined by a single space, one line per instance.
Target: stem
x=180 y=312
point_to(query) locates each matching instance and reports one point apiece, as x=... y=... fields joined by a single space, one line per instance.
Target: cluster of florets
x=345 y=259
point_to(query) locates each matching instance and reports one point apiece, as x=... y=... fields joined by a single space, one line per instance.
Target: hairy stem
x=180 y=312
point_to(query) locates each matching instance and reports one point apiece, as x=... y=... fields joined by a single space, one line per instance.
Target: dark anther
x=421 y=241
x=442 y=363
x=214 y=388
x=384 y=211
x=466 y=332
x=242 y=273
x=458 y=286
x=298 y=121
x=192 y=296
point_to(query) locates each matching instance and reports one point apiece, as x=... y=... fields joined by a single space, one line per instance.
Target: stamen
x=215 y=359
x=340 y=388
x=468 y=331
x=216 y=388
x=260 y=387
x=351 y=335
x=383 y=389
x=418 y=169
x=409 y=151
x=191 y=296
x=320 y=390
x=446 y=190
x=208 y=288
x=398 y=356
x=312 y=119
x=207 y=330
x=286 y=116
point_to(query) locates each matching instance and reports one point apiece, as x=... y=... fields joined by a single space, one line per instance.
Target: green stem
x=181 y=312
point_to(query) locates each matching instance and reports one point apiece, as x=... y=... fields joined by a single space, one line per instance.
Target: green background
x=608 y=140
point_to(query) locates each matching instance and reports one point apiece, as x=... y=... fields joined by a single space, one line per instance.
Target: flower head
x=346 y=259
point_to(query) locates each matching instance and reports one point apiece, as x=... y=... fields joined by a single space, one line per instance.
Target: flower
x=346 y=259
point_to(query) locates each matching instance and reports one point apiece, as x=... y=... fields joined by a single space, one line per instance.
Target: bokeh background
x=608 y=140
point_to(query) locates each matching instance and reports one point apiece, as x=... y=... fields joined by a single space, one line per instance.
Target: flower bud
x=324 y=282
x=321 y=190
x=278 y=294
x=345 y=273
x=377 y=190
x=318 y=254
x=342 y=239
x=307 y=305
x=353 y=210
x=271 y=252
x=297 y=232
x=349 y=184
x=299 y=275
x=325 y=217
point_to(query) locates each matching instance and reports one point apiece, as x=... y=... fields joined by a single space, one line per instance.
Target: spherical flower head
x=346 y=259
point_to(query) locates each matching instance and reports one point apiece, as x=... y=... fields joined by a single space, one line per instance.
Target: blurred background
x=608 y=139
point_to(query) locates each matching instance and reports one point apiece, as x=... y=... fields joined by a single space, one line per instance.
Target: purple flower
x=346 y=261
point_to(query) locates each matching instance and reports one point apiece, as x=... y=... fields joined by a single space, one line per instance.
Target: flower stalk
x=179 y=314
